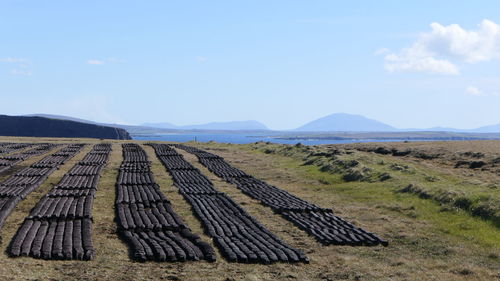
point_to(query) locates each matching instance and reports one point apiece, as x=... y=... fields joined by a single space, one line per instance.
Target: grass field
x=430 y=238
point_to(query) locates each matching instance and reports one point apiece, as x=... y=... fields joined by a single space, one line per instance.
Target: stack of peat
x=8 y=147
x=7 y=162
x=60 y=225
x=146 y=219
x=239 y=236
x=319 y=222
x=18 y=186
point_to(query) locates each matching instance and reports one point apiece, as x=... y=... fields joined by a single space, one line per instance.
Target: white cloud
x=471 y=90
x=104 y=61
x=20 y=72
x=395 y=63
x=201 y=59
x=382 y=51
x=95 y=62
x=21 y=65
x=472 y=46
x=434 y=51
x=14 y=60
x=474 y=91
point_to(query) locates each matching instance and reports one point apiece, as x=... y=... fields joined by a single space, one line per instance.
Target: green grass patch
x=453 y=200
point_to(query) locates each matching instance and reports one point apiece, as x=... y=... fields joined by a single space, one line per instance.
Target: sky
x=410 y=64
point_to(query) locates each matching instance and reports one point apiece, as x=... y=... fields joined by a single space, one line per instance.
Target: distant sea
x=241 y=139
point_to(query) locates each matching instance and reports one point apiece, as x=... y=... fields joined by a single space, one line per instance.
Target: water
x=241 y=139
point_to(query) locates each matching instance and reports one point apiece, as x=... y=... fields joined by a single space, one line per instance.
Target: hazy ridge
x=337 y=122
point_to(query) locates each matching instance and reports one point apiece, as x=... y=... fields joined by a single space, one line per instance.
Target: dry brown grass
x=418 y=249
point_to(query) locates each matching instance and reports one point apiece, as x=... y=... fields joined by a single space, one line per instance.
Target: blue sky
x=284 y=63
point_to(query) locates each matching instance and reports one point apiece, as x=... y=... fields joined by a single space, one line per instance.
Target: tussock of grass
x=481 y=205
x=356 y=166
x=333 y=161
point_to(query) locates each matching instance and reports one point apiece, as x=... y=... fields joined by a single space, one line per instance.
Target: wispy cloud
x=475 y=91
x=471 y=90
x=21 y=66
x=439 y=50
x=104 y=61
x=382 y=51
x=14 y=60
x=20 y=72
x=95 y=62
x=201 y=59
x=428 y=64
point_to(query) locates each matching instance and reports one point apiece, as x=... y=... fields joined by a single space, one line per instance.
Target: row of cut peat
x=18 y=186
x=60 y=224
x=319 y=222
x=9 y=147
x=146 y=219
x=239 y=236
x=8 y=161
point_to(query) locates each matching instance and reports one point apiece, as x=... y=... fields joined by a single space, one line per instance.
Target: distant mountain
x=487 y=129
x=343 y=122
x=340 y=122
x=434 y=129
x=26 y=126
x=151 y=128
x=484 y=129
x=441 y=129
x=250 y=125
x=164 y=125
